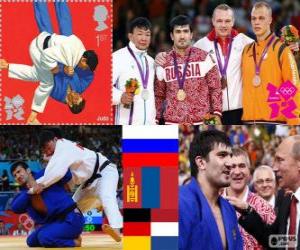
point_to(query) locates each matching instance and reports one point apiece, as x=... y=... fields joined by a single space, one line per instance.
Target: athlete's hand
x=37 y=188
x=69 y=70
x=218 y=120
x=160 y=59
x=3 y=64
x=294 y=47
x=127 y=98
x=55 y=70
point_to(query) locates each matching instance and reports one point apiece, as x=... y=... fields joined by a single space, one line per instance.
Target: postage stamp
x=55 y=60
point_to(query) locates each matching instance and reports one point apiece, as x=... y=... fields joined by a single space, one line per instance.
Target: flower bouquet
x=289 y=35
x=132 y=86
x=210 y=120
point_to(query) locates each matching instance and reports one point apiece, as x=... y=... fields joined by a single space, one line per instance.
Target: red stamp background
x=19 y=28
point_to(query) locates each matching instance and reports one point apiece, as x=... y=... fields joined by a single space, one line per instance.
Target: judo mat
x=89 y=242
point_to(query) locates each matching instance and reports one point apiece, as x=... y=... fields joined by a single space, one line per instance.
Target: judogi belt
x=96 y=174
x=46 y=42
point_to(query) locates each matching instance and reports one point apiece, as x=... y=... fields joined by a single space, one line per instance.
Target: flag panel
x=164 y=228
x=151 y=172
x=150 y=159
x=132 y=187
x=150 y=132
x=137 y=243
x=169 y=185
x=164 y=243
x=137 y=228
x=137 y=215
x=150 y=145
x=151 y=187
x=164 y=215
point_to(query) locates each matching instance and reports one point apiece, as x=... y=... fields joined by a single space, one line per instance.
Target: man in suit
x=287 y=166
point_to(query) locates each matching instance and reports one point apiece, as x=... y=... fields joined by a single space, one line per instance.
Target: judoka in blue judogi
x=197 y=225
x=206 y=220
x=58 y=223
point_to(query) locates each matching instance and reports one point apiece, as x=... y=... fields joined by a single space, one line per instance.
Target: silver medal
x=145 y=94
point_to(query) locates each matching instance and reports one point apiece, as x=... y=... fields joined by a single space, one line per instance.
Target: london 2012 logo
x=281 y=100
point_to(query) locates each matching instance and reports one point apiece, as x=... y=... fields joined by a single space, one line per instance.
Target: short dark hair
x=16 y=164
x=77 y=108
x=91 y=59
x=140 y=22
x=180 y=21
x=46 y=136
x=203 y=143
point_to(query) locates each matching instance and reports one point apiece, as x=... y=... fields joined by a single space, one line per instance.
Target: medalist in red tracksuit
x=202 y=88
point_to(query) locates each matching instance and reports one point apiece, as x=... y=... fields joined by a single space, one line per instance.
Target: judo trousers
x=59 y=233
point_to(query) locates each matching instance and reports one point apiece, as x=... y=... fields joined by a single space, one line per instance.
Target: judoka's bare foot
x=34 y=122
x=32 y=118
x=78 y=241
x=111 y=232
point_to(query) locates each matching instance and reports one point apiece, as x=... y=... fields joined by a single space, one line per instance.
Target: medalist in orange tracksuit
x=277 y=67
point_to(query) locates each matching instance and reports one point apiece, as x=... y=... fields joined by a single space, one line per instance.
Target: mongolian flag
x=150 y=161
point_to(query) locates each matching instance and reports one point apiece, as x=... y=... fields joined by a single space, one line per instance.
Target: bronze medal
x=224 y=82
x=256 y=81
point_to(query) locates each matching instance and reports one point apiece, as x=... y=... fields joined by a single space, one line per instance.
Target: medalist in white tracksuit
x=81 y=161
x=124 y=68
x=232 y=95
x=63 y=49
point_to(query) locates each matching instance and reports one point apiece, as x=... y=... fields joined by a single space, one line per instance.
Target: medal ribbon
x=181 y=81
x=226 y=59
x=257 y=66
x=145 y=77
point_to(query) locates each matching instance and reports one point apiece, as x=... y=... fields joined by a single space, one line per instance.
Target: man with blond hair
x=226 y=46
x=266 y=64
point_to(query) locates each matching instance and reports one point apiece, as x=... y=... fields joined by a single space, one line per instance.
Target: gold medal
x=256 y=81
x=181 y=95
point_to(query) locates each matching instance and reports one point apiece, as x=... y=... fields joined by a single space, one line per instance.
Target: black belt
x=95 y=174
x=46 y=42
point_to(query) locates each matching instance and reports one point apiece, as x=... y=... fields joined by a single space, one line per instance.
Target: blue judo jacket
x=79 y=82
x=55 y=198
x=197 y=226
